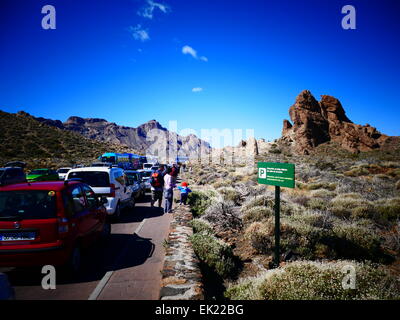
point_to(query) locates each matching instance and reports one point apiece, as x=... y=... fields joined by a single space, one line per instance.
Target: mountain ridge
x=145 y=138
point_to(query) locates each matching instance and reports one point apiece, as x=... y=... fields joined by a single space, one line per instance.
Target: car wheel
x=74 y=263
x=132 y=202
x=117 y=212
x=106 y=232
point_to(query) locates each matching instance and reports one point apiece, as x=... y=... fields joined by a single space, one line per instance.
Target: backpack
x=156 y=180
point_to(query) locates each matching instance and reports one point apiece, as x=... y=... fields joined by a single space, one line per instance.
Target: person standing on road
x=174 y=172
x=157 y=185
x=169 y=184
x=184 y=192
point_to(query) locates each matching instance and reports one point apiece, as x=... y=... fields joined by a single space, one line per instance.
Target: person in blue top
x=184 y=192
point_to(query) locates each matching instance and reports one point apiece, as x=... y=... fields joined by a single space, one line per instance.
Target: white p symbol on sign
x=262 y=173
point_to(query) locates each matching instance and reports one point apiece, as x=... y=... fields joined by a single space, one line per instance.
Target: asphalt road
x=126 y=267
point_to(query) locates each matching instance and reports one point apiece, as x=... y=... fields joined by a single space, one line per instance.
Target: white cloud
x=147 y=11
x=193 y=53
x=139 y=33
x=198 y=89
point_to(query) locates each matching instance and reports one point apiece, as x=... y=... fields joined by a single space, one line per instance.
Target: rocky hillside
x=39 y=144
x=141 y=138
x=316 y=122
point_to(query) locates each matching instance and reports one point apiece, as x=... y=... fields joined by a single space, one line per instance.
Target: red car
x=45 y=223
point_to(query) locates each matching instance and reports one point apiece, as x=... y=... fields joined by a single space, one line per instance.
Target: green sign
x=276 y=174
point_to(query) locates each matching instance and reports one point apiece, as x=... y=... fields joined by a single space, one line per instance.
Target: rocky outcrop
x=317 y=122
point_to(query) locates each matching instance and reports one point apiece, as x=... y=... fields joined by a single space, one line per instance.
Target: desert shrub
x=245 y=289
x=306 y=280
x=317 y=204
x=356 y=172
x=321 y=185
x=343 y=205
x=215 y=253
x=257 y=214
x=201 y=226
x=388 y=209
x=301 y=200
x=275 y=150
x=355 y=241
x=260 y=236
x=223 y=215
x=256 y=201
x=230 y=194
x=322 y=193
x=219 y=183
x=199 y=201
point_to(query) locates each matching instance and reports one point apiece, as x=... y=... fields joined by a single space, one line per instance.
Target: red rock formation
x=318 y=122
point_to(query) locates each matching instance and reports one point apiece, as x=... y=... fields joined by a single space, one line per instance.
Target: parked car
x=146 y=175
x=42 y=175
x=110 y=182
x=147 y=166
x=62 y=173
x=138 y=185
x=49 y=223
x=11 y=175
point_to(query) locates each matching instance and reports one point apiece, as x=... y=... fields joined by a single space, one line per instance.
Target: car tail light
x=112 y=190
x=63 y=226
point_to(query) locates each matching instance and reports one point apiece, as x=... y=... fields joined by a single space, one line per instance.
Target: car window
x=95 y=179
x=78 y=199
x=28 y=204
x=90 y=197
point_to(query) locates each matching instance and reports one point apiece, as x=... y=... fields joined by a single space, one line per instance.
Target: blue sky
x=124 y=60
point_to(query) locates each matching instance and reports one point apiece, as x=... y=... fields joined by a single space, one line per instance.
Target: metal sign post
x=277 y=224
x=278 y=175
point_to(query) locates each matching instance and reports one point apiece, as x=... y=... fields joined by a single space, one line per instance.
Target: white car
x=62 y=173
x=110 y=182
x=147 y=166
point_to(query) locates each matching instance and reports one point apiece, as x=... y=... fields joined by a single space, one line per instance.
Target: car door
x=96 y=214
x=83 y=219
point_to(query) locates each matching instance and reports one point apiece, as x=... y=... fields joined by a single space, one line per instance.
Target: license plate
x=17 y=236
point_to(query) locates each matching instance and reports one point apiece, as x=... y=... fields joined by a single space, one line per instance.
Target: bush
x=355 y=241
x=343 y=205
x=388 y=209
x=201 y=226
x=222 y=215
x=230 y=194
x=214 y=253
x=256 y=201
x=199 y=201
x=308 y=280
x=260 y=236
x=317 y=204
x=258 y=213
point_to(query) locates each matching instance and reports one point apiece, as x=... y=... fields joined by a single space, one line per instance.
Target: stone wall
x=181 y=275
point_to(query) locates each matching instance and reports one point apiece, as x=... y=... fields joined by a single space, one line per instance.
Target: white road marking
x=103 y=282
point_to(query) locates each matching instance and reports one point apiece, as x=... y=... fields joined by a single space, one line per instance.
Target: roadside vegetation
x=344 y=210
